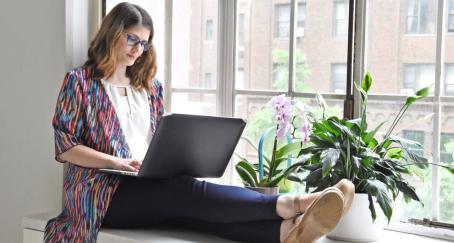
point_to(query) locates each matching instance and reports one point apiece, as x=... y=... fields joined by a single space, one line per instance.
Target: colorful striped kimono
x=85 y=115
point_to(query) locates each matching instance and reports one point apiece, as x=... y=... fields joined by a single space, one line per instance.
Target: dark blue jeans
x=230 y=212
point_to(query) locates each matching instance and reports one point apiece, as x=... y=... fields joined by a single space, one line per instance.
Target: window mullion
x=437 y=112
x=292 y=49
x=168 y=52
x=359 y=52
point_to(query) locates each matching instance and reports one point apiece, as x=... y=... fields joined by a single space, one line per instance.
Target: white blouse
x=133 y=112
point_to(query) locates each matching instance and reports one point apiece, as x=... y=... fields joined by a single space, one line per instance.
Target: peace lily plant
x=378 y=166
x=268 y=172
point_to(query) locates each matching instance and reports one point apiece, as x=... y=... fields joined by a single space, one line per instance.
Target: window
x=450 y=15
x=447 y=147
x=340 y=17
x=338 y=77
x=449 y=79
x=421 y=16
x=241 y=30
x=417 y=76
x=399 y=64
x=282 y=20
x=209 y=81
x=209 y=30
x=417 y=136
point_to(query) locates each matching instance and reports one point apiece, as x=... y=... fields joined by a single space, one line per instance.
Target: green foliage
x=281 y=62
x=341 y=148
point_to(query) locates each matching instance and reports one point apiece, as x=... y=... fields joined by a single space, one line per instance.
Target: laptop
x=199 y=146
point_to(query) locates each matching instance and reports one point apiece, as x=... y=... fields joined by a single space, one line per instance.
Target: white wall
x=32 y=66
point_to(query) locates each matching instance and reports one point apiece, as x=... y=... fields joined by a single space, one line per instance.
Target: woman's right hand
x=126 y=164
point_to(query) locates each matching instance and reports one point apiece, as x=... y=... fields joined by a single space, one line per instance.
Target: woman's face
x=132 y=44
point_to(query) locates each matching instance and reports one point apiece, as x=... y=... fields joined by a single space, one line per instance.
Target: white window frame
x=226 y=91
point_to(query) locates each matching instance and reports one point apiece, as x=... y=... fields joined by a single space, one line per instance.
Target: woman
x=106 y=114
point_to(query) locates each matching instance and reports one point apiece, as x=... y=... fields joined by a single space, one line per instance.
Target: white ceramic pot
x=357 y=225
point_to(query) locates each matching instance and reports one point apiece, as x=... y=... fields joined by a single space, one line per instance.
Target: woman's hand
x=126 y=164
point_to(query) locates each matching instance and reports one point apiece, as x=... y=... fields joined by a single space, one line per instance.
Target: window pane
x=320 y=51
x=450 y=15
x=193 y=103
x=449 y=79
x=447 y=156
x=157 y=13
x=194 y=47
x=416 y=124
x=421 y=16
x=338 y=77
x=398 y=62
x=262 y=56
x=340 y=17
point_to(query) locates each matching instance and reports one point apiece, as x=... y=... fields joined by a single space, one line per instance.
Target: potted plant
x=273 y=168
x=377 y=166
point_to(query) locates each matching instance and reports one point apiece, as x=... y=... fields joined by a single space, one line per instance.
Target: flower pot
x=357 y=225
x=265 y=190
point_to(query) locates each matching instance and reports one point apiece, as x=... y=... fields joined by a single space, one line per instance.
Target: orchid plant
x=292 y=127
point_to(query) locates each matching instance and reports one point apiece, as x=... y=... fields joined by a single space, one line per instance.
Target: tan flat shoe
x=348 y=190
x=319 y=218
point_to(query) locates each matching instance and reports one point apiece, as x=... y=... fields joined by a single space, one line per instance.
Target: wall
x=32 y=66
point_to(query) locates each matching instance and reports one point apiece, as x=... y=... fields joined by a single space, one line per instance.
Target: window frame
x=226 y=91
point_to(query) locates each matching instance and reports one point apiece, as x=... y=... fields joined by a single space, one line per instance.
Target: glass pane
x=321 y=56
x=156 y=10
x=417 y=125
x=200 y=104
x=194 y=47
x=447 y=157
x=263 y=43
x=401 y=63
x=447 y=82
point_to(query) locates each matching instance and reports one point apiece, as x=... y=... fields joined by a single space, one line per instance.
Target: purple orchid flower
x=283 y=108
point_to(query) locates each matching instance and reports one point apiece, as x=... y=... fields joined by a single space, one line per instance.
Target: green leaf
x=373 y=213
x=410 y=100
x=329 y=158
x=451 y=170
x=407 y=190
x=394 y=153
x=290 y=149
x=366 y=83
x=247 y=173
x=424 y=92
x=379 y=190
x=370 y=135
x=417 y=159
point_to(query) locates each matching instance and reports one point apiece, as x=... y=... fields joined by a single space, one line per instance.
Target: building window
x=417 y=76
x=417 y=136
x=450 y=23
x=241 y=30
x=208 y=81
x=447 y=147
x=338 y=77
x=282 y=20
x=449 y=79
x=340 y=16
x=421 y=17
x=301 y=21
x=209 y=30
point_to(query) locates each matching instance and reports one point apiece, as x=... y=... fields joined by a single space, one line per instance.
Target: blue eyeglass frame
x=133 y=40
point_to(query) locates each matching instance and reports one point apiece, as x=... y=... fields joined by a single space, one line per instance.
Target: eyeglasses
x=133 y=40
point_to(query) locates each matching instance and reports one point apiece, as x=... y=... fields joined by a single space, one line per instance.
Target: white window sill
x=34 y=226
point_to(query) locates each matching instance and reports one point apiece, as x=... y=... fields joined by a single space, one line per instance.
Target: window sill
x=34 y=226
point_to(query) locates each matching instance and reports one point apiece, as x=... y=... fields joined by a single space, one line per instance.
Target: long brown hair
x=102 y=53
